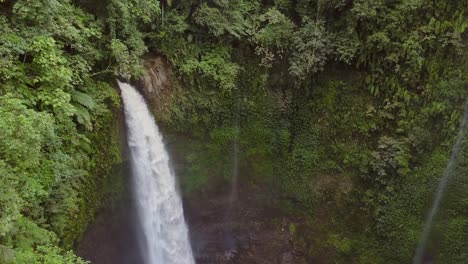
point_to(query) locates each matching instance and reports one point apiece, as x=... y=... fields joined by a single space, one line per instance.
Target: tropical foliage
x=59 y=140
x=343 y=111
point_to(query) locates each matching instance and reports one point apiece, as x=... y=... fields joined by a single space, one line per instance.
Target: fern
x=83 y=99
x=83 y=117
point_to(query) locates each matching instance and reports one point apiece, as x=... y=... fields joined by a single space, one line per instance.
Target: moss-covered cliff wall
x=345 y=113
x=104 y=184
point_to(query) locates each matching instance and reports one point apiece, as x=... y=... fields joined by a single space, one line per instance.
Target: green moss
x=103 y=185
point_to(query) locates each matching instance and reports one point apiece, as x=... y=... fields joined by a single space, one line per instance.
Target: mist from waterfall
x=448 y=172
x=229 y=237
x=233 y=196
x=165 y=238
x=235 y=168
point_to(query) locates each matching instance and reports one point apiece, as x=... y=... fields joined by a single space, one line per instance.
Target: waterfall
x=235 y=173
x=449 y=170
x=230 y=243
x=165 y=237
x=235 y=158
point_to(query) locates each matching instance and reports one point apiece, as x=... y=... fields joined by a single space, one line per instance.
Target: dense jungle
x=334 y=120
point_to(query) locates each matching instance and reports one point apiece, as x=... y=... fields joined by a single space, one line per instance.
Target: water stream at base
x=420 y=250
x=165 y=237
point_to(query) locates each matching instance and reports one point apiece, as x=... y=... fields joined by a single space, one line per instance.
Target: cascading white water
x=159 y=206
x=449 y=170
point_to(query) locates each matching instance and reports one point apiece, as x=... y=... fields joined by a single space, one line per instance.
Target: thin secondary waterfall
x=235 y=170
x=449 y=170
x=159 y=206
x=229 y=240
x=235 y=157
x=233 y=196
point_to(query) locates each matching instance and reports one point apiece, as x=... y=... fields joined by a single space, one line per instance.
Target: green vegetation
x=59 y=124
x=345 y=112
x=346 y=109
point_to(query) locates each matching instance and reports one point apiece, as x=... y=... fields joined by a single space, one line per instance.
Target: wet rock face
x=156 y=84
x=112 y=237
x=253 y=234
